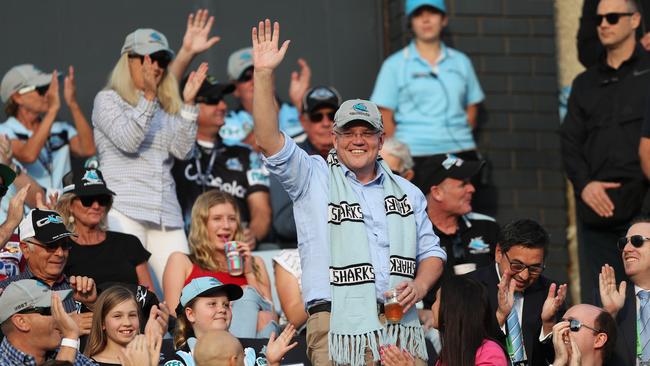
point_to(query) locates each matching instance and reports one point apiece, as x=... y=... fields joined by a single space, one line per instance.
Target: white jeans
x=160 y=242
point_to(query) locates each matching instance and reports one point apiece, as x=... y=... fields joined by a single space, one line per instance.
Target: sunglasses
x=52 y=247
x=162 y=58
x=44 y=311
x=575 y=325
x=246 y=76
x=612 y=18
x=88 y=201
x=41 y=90
x=209 y=100
x=517 y=267
x=636 y=241
x=318 y=116
x=3 y=190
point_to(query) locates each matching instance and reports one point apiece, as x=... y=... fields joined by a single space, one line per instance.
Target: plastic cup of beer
x=392 y=308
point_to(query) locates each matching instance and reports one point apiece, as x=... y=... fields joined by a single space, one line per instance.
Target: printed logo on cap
x=156 y=38
x=246 y=56
x=451 y=161
x=50 y=219
x=360 y=107
x=90 y=177
x=321 y=94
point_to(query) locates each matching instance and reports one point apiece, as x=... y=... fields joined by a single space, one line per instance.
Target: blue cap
x=412 y=5
x=207 y=286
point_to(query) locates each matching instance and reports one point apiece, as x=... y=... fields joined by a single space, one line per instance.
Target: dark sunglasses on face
x=162 y=58
x=209 y=100
x=575 y=325
x=3 y=190
x=246 y=76
x=64 y=244
x=45 y=311
x=612 y=18
x=636 y=241
x=88 y=201
x=318 y=116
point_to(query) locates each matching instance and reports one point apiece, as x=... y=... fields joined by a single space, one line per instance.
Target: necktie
x=644 y=328
x=514 y=332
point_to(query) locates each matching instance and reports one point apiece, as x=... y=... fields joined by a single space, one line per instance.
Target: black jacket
x=537 y=353
x=625 y=353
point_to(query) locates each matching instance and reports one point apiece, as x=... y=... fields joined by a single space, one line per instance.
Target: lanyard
x=202 y=178
x=639 y=351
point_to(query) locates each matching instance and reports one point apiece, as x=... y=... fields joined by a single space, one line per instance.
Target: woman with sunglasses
x=141 y=123
x=461 y=313
x=41 y=144
x=106 y=256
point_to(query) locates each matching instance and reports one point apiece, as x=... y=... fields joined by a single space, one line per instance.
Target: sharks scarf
x=354 y=322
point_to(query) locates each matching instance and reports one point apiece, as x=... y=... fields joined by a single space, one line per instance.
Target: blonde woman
x=215 y=221
x=141 y=124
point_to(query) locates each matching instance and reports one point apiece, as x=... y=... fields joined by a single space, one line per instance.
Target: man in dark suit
x=524 y=302
x=630 y=304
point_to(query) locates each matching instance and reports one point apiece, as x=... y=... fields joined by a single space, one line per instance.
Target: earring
x=71 y=219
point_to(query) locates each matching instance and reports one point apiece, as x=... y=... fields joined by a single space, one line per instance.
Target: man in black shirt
x=469 y=238
x=233 y=169
x=600 y=141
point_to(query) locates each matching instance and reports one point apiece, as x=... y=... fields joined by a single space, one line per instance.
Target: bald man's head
x=603 y=339
x=218 y=348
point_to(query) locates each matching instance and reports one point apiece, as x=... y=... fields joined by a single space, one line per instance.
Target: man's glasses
x=64 y=244
x=612 y=18
x=246 y=76
x=45 y=311
x=575 y=325
x=88 y=201
x=636 y=241
x=162 y=58
x=318 y=116
x=517 y=267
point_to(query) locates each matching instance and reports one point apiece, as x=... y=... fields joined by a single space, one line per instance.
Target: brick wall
x=512 y=46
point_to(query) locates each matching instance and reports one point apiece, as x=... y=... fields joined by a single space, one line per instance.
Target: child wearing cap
x=204 y=308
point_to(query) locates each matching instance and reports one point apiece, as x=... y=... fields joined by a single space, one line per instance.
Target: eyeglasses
x=44 y=311
x=209 y=100
x=88 y=201
x=365 y=134
x=612 y=18
x=3 y=190
x=636 y=241
x=318 y=116
x=246 y=75
x=64 y=244
x=517 y=267
x=575 y=325
x=41 y=90
x=162 y=58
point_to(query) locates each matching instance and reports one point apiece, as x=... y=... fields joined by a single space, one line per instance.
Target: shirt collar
x=412 y=52
x=15 y=355
x=378 y=179
x=29 y=274
x=604 y=66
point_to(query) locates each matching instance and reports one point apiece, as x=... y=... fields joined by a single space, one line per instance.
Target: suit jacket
x=625 y=353
x=537 y=353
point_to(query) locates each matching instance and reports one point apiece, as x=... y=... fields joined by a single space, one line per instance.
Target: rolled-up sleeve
x=428 y=243
x=184 y=132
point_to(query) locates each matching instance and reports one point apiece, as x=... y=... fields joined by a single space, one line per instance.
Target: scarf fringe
x=411 y=338
x=350 y=349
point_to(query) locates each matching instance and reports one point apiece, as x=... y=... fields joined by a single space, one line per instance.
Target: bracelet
x=69 y=342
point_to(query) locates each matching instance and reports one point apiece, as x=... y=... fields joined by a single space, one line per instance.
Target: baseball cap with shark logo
x=44 y=225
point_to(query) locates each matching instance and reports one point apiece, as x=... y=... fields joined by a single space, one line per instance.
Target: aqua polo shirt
x=239 y=123
x=53 y=161
x=429 y=103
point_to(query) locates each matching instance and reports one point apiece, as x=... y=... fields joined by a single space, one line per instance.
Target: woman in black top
x=105 y=256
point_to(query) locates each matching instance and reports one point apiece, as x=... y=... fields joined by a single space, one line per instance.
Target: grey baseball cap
x=358 y=110
x=145 y=41
x=22 y=76
x=27 y=294
x=239 y=61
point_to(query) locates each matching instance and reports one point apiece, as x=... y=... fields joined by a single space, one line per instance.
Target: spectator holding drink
x=216 y=251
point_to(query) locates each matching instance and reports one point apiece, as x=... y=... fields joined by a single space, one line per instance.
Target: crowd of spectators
x=367 y=203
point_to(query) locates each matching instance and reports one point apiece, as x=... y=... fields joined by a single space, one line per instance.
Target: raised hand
x=277 y=348
x=70 y=88
x=6 y=153
x=561 y=343
x=52 y=94
x=612 y=298
x=553 y=302
x=266 y=55
x=158 y=320
x=137 y=353
x=505 y=297
x=154 y=341
x=16 y=207
x=194 y=82
x=197 y=34
x=84 y=289
x=63 y=322
x=300 y=82
x=149 y=78
x=393 y=356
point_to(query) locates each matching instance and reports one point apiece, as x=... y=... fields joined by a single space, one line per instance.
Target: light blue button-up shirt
x=306 y=180
x=429 y=104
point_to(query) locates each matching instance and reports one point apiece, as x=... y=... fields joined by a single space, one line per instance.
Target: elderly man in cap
x=45 y=244
x=361 y=229
x=239 y=122
x=213 y=165
x=41 y=144
x=34 y=323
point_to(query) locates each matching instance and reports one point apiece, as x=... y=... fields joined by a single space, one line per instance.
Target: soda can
x=234 y=259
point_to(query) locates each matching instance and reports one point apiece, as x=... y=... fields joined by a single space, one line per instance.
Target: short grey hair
x=399 y=150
